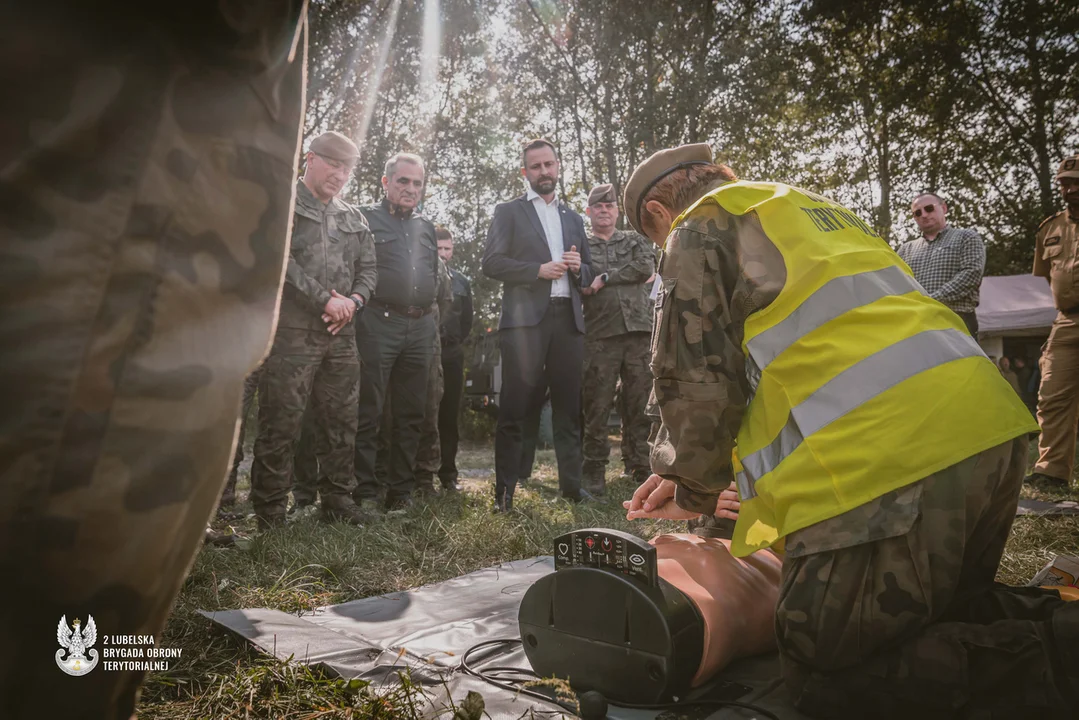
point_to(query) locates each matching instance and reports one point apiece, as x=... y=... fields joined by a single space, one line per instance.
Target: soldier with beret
x=618 y=326
x=1056 y=258
x=872 y=443
x=331 y=274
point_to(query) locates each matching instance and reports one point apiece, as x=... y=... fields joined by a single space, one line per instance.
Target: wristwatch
x=604 y=277
x=359 y=303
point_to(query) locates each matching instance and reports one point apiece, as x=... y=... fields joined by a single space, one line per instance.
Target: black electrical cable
x=486 y=675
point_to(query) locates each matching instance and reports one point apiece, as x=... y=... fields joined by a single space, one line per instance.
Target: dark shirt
x=407 y=257
x=331 y=249
x=457 y=322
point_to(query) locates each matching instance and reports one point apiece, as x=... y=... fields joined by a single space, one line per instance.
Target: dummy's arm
x=697 y=360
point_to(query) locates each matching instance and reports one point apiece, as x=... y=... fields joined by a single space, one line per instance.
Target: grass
x=306 y=565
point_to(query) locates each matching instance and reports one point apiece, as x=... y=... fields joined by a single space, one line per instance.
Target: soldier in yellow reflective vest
x=878 y=449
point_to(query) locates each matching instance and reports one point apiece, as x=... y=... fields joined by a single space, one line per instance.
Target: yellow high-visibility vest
x=860 y=383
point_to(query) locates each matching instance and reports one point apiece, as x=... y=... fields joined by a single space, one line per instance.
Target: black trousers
x=546 y=356
x=449 y=413
x=971 y=320
x=401 y=348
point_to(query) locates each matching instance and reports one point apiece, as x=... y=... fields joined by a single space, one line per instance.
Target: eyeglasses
x=928 y=210
x=336 y=164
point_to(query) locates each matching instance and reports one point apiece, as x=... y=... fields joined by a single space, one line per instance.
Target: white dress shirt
x=551 y=220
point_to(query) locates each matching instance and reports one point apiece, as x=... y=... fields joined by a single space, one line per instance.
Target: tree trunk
x=1038 y=107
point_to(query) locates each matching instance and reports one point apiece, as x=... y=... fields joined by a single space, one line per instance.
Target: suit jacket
x=516 y=247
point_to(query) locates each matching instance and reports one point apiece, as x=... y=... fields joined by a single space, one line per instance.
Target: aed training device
x=605 y=621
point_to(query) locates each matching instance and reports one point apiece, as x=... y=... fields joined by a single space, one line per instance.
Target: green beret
x=654 y=169
x=334 y=145
x=602 y=193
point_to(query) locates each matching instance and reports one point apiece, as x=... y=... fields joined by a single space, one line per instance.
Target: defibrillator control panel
x=607 y=550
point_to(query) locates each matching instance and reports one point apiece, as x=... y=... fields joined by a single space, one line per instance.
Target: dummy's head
x=668 y=182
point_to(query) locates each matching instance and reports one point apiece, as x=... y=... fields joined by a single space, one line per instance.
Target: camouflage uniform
x=892 y=606
x=888 y=610
x=305 y=470
x=305 y=463
x=146 y=169
x=331 y=249
x=251 y=385
x=618 y=321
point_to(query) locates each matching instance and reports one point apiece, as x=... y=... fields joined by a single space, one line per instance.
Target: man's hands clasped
x=338 y=312
x=571 y=260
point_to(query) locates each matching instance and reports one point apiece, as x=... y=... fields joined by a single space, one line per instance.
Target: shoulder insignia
x=1050 y=219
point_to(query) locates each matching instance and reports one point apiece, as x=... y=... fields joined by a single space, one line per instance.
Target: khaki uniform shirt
x=622 y=306
x=331 y=249
x=1056 y=257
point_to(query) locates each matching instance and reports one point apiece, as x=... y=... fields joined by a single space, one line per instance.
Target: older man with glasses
x=947 y=261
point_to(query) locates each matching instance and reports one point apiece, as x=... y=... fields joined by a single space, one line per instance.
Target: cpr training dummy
x=736 y=597
x=645 y=622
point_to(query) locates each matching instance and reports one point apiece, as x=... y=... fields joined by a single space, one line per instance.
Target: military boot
x=228 y=495
x=343 y=512
x=594 y=482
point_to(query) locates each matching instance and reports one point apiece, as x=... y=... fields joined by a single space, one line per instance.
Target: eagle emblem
x=76 y=643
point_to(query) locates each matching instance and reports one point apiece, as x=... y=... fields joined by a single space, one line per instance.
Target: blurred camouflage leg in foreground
x=147 y=159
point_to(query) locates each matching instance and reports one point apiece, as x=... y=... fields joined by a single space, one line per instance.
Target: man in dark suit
x=538 y=249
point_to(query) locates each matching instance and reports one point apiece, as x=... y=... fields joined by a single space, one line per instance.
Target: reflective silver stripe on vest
x=858 y=384
x=746 y=491
x=832 y=299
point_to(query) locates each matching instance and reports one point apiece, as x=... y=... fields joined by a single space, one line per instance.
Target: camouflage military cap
x=334 y=145
x=1069 y=167
x=654 y=169
x=602 y=193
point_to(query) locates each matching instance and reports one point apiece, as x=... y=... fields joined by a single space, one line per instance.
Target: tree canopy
x=869 y=103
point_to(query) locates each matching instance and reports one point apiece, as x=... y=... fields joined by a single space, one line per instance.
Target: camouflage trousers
x=304 y=367
x=251 y=386
x=914 y=625
x=306 y=468
x=305 y=464
x=606 y=361
x=147 y=170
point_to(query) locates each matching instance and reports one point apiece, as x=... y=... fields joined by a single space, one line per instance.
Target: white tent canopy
x=1015 y=305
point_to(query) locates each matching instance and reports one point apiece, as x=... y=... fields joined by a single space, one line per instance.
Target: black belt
x=411 y=311
x=561 y=301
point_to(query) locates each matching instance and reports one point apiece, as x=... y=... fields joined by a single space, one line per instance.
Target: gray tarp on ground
x=428 y=629
x=1014 y=303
